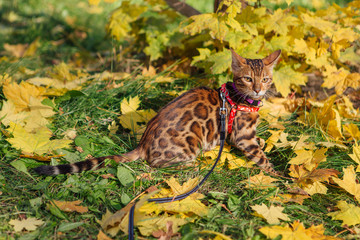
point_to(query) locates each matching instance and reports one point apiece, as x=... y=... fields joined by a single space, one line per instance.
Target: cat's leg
x=244 y=138
x=252 y=151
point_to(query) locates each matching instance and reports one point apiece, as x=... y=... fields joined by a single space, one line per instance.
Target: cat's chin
x=259 y=97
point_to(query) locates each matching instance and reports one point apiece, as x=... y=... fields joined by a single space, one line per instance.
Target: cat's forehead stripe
x=256 y=65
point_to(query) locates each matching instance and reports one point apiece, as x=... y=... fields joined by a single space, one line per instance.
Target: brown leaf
x=322 y=174
x=70 y=206
x=169 y=231
x=296 y=198
x=146 y=176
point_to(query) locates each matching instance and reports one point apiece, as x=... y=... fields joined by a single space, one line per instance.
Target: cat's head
x=253 y=77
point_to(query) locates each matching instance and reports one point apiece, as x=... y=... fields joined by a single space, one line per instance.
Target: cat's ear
x=237 y=61
x=271 y=60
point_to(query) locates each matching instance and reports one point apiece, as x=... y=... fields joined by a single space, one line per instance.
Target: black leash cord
x=223 y=113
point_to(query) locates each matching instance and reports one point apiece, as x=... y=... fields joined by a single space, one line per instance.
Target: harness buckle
x=223 y=109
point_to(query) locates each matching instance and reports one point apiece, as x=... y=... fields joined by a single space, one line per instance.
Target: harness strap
x=235 y=108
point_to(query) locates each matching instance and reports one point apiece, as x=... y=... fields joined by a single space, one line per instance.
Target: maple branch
x=182 y=8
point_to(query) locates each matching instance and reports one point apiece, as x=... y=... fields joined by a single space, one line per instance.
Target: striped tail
x=90 y=164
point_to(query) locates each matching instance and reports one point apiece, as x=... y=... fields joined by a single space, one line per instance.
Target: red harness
x=235 y=107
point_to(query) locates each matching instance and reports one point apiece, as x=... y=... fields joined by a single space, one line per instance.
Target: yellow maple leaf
x=178 y=189
x=119 y=23
x=191 y=204
x=149 y=225
x=233 y=161
x=285 y=77
x=20 y=94
x=58 y=87
x=352 y=131
x=349 y=182
x=275 y=135
x=150 y=216
x=279 y=22
x=327 y=117
x=299 y=144
x=133 y=119
x=349 y=213
x=272 y=214
x=35 y=121
x=260 y=181
x=356 y=156
x=315 y=187
x=346 y=108
x=9 y=114
x=309 y=158
x=208 y=21
x=296 y=231
x=341 y=79
x=29 y=224
x=38 y=142
x=316 y=22
x=102 y=236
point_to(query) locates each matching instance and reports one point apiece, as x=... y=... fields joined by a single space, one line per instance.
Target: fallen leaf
x=233 y=161
x=20 y=94
x=218 y=236
x=260 y=181
x=148 y=225
x=272 y=214
x=296 y=231
x=349 y=182
x=70 y=206
x=352 y=131
x=349 y=213
x=161 y=235
x=321 y=175
x=356 y=156
x=38 y=142
x=132 y=118
x=9 y=114
x=315 y=187
x=284 y=198
x=29 y=224
x=17 y=50
x=309 y=158
x=102 y=236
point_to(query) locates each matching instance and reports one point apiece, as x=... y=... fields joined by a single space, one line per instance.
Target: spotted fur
x=190 y=123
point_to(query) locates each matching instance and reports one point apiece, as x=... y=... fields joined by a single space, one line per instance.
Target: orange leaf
x=102 y=236
x=70 y=206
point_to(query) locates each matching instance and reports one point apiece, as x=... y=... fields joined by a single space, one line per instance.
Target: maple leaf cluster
x=27 y=112
x=310 y=41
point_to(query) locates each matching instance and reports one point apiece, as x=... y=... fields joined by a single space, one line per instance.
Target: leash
x=223 y=114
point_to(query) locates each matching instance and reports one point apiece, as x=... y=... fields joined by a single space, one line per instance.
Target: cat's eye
x=247 y=79
x=264 y=80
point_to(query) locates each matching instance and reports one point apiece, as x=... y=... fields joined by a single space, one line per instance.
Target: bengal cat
x=190 y=123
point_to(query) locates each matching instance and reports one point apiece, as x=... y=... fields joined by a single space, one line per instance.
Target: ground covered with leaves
x=82 y=79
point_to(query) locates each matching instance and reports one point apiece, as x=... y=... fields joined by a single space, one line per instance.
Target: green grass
x=91 y=113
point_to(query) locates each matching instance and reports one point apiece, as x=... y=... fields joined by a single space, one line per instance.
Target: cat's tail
x=90 y=164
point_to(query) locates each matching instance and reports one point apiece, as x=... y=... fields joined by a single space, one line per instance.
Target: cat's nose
x=257 y=90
